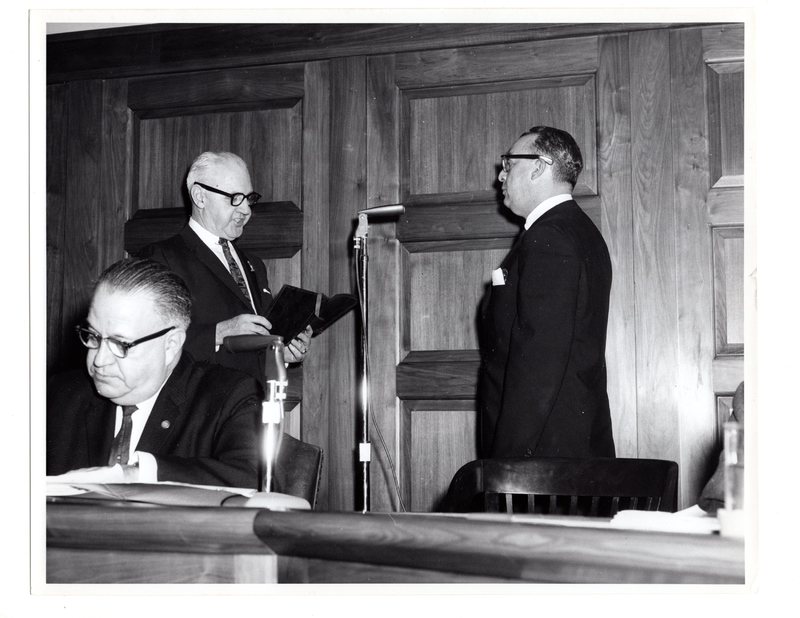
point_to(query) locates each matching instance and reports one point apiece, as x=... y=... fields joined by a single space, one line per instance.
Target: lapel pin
x=165 y=424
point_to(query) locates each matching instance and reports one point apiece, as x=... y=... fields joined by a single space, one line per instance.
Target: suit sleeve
x=201 y=338
x=231 y=457
x=541 y=337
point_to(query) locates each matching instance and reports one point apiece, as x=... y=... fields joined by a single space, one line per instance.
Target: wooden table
x=124 y=542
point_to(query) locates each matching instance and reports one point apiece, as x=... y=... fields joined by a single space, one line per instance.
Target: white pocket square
x=499 y=276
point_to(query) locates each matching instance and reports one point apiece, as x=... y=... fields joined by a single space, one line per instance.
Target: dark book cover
x=295 y=308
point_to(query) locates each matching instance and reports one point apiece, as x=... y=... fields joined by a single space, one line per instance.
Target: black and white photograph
x=401 y=310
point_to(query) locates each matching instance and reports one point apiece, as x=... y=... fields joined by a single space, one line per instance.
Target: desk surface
x=119 y=542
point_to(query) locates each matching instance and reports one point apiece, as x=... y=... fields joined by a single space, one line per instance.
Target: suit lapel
x=206 y=257
x=164 y=418
x=99 y=430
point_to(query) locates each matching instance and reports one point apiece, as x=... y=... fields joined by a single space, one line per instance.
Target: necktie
x=234 y=268
x=120 y=448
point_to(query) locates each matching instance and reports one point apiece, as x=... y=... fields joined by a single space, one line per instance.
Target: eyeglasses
x=507 y=166
x=236 y=198
x=118 y=348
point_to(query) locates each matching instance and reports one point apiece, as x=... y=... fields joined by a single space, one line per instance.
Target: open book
x=295 y=308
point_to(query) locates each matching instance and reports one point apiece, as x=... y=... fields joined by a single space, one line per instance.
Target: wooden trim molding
x=274 y=231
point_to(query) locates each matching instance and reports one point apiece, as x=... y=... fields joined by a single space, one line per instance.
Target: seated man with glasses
x=142 y=411
x=230 y=291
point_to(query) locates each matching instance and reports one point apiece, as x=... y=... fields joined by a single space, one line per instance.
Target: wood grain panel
x=726 y=206
x=317 y=248
x=654 y=247
x=728 y=256
x=494 y=63
x=616 y=224
x=56 y=179
x=456 y=134
x=445 y=289
x=695 y=335
x=723 y=42
x=224 y=89
x=269 y=141
x=442 y=441
x=439 y=374
x=725 y=82
x=165 y=48
x=142 y=567
x=347 y=196
x=84 y=225
x=274 y=231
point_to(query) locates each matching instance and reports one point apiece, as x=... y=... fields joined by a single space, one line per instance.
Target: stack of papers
x=688 y=521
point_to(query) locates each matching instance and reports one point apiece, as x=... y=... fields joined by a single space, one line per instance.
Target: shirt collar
x=209 y=239
x=549 y=203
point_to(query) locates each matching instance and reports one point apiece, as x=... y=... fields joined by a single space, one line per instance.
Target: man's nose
x=502 y=175
x=103 y=355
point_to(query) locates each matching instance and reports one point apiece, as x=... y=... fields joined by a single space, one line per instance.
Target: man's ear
x=174 y=344
x=539 y=168
x=198 y=196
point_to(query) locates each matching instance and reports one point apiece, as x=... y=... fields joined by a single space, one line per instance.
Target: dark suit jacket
x=215 y=296
x=542 y=388
x=203 y=428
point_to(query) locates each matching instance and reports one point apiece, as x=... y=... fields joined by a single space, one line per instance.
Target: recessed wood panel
x=728 y=253
x=726 y=123
x=456 y=135
x=445 y=289
x=442 y=440
x=269 y=141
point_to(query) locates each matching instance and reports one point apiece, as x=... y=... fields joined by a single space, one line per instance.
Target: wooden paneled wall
x=419 y=114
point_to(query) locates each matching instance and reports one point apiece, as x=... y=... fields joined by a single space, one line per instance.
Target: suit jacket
x=215 y=296
x=203 y=428
x=542 y=388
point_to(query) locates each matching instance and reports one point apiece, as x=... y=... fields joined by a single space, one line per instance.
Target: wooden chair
x=298 y=469
x=596 y=487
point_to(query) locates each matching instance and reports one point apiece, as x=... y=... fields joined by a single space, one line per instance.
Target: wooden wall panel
x=695 y=332
x=57 y=244
x=268 y=140
x=316 y=263
x=441 y=439
x=728 y=256
x=725 y=82
x=654 y=247
x=614 y=170
x=457 y=134
x=445 y=289
x=347 y=196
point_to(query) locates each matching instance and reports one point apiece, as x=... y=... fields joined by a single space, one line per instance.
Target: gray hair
x=198 y=172
x=173 y=302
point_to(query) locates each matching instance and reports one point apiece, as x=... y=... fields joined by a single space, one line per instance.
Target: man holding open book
x=230 y=291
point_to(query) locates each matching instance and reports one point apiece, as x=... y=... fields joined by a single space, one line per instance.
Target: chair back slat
x=597 y=487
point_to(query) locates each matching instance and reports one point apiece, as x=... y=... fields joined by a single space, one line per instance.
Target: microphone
x=391 y=210
x=249 y=343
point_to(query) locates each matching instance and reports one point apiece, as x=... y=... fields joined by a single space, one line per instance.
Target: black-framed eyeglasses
x=236 y=198
x=92 y=340
x=507 y=166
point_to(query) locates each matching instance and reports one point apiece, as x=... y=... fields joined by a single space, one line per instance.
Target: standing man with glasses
x=542 y=389
x=142 y=411
x=230 y=291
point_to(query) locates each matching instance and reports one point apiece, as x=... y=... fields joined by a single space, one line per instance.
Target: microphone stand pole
x=364 y=447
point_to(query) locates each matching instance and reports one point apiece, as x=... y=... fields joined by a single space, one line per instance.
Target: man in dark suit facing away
x=543 y=322
x=230 y=291
x=142 y=410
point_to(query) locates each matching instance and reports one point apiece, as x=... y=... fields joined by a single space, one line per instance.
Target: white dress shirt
x=548 y=204
x=148 y=467
x=212 y=242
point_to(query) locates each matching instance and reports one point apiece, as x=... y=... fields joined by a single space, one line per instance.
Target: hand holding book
x=295 y=308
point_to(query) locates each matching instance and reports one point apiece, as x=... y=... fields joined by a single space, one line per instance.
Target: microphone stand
x=364 y=447
x=272 y=413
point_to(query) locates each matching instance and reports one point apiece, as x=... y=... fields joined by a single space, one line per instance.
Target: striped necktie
x=120 y=448
x=234 y=268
